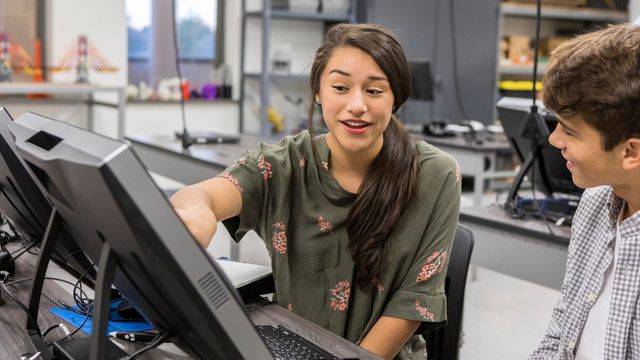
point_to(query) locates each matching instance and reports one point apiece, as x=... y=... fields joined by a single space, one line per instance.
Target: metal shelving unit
x=267 y=14
x=550 y=12
x=564 y=13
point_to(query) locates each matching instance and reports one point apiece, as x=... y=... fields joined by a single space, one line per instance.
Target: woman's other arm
x=388 y=335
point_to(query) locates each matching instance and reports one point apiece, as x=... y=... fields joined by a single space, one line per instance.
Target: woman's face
x=356 y=101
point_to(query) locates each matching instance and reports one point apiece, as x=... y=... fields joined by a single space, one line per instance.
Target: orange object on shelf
x=185 y=89
x=37 y=69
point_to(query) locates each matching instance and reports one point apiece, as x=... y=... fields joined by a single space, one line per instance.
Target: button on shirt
x=590 y=255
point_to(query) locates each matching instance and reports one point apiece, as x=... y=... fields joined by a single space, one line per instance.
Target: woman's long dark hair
x=389 y=184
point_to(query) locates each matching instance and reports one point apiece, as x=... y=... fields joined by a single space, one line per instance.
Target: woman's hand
x=201 y=222
x=201 y=205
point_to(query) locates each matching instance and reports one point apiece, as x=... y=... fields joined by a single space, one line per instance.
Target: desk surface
x=12 y=322
x=523 y=248
x=224 y=154
x=496 y=143
x=214 y=154
x=496 y=217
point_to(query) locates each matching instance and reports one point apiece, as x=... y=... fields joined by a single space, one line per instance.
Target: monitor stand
x=100 y=348
x=535 y=129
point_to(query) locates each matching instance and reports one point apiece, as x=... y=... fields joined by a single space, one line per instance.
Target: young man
x=593 y=85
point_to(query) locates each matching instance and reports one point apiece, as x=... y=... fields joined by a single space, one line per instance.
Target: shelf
x=284 y=77
x=292 y=15
x=521 y=69
x=564 y=13
x=186 y=101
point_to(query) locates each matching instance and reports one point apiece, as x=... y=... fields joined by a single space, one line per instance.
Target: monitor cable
x=454 y=52
x=153 y=344
x=535 y=129
x=185 y=138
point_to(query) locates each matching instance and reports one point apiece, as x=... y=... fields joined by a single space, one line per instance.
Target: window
x=139 y=28
x=196 y=20
x=199 y=30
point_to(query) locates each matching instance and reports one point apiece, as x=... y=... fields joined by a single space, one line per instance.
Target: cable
x=435 y=54
x=535 y=200
x=23 y=249
x=454 y=52
x=186 y=139
x=536 y=45
x=534 y=107
x=156 y=342
x=19 y=303
x=68 y=334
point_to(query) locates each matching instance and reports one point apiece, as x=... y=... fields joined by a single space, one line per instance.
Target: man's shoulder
x=596 y=198
x=593 y=209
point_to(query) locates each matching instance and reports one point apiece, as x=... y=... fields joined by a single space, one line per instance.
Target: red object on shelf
x=185 y=89
x=37 y=69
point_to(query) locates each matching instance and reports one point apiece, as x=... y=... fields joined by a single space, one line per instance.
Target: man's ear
x=631 y=158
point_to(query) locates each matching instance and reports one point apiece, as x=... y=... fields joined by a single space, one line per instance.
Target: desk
x=87 y=90
x=479 y=161
x=164 y=155
x=12 y=321
x=522 y=248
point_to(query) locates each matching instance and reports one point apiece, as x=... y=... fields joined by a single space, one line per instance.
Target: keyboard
x=287 y=345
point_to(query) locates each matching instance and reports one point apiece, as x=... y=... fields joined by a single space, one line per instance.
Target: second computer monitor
x=26 y=206
x=549 y=173
x=106 y=198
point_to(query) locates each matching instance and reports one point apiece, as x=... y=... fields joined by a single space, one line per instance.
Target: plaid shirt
x=590 y=254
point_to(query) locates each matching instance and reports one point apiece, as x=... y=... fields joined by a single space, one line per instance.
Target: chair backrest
x=444 y=343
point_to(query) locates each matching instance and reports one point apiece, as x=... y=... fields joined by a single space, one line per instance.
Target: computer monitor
x=26 y=206
x=549 y=173
x=421 y=80
x=111 y=205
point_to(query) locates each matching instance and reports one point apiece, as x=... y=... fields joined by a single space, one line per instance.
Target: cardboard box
x=519 y=49
x=549 y=44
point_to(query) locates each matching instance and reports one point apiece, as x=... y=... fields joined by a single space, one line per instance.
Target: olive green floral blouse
x=300 y=211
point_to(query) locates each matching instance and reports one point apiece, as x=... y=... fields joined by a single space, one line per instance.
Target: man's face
x=581 y=145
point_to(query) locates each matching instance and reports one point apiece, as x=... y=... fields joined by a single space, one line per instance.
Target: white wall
x=105 y=25
x=166 y=118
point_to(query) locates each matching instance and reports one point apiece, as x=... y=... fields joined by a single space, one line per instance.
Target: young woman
x=359 y=221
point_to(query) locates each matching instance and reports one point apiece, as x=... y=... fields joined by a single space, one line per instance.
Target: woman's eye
x=374 y=91
x=339 y=87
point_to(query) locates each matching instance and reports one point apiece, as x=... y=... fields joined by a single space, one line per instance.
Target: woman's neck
x=345 y=161
x=348 y=168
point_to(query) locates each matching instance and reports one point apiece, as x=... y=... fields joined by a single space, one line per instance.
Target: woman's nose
x=357 y=104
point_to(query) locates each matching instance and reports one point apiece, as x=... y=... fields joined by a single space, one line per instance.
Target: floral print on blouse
x=298 y=208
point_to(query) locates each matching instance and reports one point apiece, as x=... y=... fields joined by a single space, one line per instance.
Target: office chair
x=443 y=343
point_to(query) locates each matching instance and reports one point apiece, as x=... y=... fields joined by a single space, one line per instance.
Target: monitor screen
x=421 y=80
x=24 y=203
x=105 y=196
x=549 y=173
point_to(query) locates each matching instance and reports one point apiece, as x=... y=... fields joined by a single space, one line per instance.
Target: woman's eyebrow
x=372 y=77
